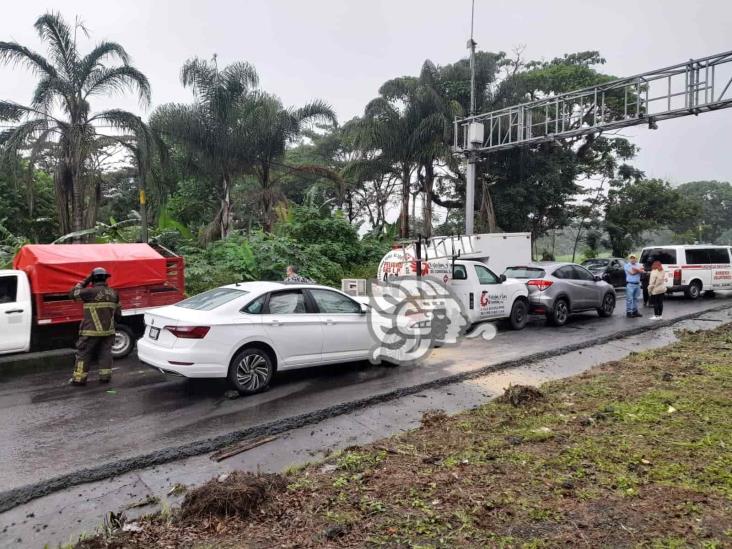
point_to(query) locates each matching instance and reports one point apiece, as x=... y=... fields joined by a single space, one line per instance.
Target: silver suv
x=560 y=289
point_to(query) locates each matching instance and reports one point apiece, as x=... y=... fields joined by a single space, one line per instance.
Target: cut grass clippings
x=634 y=453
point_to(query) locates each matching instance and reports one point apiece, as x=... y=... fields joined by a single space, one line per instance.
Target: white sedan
x=248 y=331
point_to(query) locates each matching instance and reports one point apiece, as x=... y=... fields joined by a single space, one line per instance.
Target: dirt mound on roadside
x=521 y=395
x=234 y=495
x=433 y=417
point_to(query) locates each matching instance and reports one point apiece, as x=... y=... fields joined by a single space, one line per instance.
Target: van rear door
x=721 y=269
x=15 y=312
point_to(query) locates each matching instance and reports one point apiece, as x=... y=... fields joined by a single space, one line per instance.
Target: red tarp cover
x=55 y=268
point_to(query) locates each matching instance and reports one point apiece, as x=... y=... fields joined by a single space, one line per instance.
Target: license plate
x=154 y=333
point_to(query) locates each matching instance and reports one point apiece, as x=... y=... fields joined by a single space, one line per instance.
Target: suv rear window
x=207 y=301
x=524 y=272
x=667 y=256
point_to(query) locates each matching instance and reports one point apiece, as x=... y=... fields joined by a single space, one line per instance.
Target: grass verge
x=635 y=453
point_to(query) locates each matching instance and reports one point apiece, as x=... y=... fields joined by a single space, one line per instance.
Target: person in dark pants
x=657 y=289
x=633 y=273
x=96 y=332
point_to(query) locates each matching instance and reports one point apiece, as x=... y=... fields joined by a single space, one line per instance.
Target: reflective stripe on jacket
x=101 y=308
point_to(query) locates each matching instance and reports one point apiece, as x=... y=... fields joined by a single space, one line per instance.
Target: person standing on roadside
x=96 y=332
x=633 y=273
x=656 y=289
x=292 y=275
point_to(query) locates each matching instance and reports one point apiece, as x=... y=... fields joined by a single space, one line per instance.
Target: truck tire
x=519 y=315
x=694 y=290
x=124 y=341
x=560 y=313
x=251 y=370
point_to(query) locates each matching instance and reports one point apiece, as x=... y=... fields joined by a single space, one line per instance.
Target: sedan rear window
x=207 y=301
x=524 y=272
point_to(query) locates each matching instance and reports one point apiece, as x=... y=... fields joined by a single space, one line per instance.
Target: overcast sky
x=341 y=51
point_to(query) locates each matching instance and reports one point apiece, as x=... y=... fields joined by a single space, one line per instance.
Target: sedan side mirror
x=364 y=308
x=599 y=278
x=502 y=278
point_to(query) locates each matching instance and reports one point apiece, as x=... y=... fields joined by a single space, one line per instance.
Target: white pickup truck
x=483 y=294
x=36 y=312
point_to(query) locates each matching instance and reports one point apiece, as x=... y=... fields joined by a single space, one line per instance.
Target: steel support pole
x=469 y=193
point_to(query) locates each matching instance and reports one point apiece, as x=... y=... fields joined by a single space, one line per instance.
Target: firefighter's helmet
x=99 y=274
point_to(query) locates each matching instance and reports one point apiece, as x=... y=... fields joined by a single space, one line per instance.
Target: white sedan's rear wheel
x=251 y=371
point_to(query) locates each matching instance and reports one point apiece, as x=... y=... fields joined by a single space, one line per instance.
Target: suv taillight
x=188 y=332
x=677 y=277
x=541 y=284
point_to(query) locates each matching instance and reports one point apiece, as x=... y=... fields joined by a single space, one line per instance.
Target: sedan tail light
x=188 y=332
x=540 y=283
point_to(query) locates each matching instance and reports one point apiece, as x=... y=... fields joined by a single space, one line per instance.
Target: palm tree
x=387 y=128
x=210 y=130
x=270 y=127
x=420 y=130
x=60 y=114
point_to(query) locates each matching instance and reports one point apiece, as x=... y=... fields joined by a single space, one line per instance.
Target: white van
x=692 y=269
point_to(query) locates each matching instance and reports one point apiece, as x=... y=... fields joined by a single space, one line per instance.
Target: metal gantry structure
x=690 y=88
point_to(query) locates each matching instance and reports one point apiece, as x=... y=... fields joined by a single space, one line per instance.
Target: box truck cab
x=36 y=312
x=484 y=294
x=692 y=269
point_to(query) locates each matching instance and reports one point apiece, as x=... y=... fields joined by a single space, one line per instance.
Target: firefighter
x=96 y=332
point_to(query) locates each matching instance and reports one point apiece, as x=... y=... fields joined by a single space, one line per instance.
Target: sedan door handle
x=13 y=311
x=274 y=322
x=329 y=321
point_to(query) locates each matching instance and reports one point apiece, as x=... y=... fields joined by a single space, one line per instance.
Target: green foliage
x=714 y=200
x=641 y=206
x=27 y=204
x=325 y=247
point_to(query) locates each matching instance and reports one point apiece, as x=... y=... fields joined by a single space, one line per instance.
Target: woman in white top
x=656 y=289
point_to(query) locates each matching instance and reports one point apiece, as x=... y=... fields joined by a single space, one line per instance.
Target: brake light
x=188 y=332
x=677 y=277
x=540 y=283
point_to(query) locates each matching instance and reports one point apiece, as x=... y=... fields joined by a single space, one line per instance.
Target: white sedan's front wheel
x=251 y=371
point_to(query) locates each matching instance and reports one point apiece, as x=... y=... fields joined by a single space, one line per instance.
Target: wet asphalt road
x=49 y=429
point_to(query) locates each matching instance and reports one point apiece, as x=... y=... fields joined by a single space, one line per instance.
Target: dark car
x=610 y=269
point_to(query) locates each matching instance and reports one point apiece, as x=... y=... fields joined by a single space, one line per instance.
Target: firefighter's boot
x=79 y=376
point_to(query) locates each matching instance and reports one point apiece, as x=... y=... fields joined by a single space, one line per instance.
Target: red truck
x=37 y=314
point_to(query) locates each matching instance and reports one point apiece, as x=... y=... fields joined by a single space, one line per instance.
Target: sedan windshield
x=207 y=301
x=524 y=272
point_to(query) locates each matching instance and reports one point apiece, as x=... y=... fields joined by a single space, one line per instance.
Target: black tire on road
x=251 y=370
x=608 y=306
x=694 y=290
x=560 y=313
x=519 y=315
x=124 y=341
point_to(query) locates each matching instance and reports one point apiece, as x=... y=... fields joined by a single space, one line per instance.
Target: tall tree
x=714 y=198
x=643 y=205
x=60 y=114
x=211 y=130
x=269 y=128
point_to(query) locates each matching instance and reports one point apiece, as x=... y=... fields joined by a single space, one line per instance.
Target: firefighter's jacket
x=101 y=309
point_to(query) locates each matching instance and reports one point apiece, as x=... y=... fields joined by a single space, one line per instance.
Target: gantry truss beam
x=699 y=85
